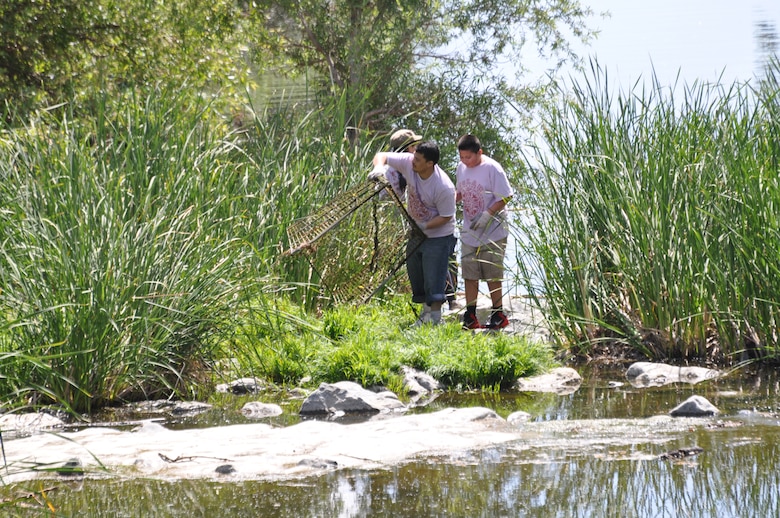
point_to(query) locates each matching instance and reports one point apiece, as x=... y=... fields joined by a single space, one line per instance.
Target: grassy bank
x=142 y=247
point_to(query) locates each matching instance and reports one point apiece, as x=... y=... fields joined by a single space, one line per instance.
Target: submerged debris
x=319 y=463
x=681 y=453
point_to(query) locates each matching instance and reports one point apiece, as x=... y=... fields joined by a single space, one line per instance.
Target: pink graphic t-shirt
x=426 y=199
x=479 y=188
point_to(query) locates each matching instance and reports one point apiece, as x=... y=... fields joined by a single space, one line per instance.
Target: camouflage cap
x=403 y=138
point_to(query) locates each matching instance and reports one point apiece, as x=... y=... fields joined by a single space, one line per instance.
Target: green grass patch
x=369 y=344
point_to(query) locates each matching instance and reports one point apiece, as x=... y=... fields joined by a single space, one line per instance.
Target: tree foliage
x=443 y=67
x=440 y=65
x=52 y=50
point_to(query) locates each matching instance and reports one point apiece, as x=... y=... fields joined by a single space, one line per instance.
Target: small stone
x=694 y=406
x=258 y=410
x=72 y=468
x=518 y=418
x=225 y=469
x=682 y=453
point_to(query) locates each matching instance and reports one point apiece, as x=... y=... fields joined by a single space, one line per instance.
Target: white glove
x=378 y=174
x=482 y=221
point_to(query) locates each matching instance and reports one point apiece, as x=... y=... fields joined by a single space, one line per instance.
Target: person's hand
x=482 y=221
x=378 y=174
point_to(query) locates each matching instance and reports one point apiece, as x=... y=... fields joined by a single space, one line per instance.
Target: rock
x=563 y=380
x=225 y=469
x=477 y=413
x=189 y=408
x=694 y=406
x=166 y=406
x=30 y=422
x=649 y=374
x=518 y=418
x=241 y=386
x=72 y=468
x=417 y=382
x=297 y=393
x=258 y=410
x=149 y=427
x=349 y=397
x=259 y=451
x=319 y=463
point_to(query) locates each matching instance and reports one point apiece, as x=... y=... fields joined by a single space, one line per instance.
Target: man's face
x=469 y=158
x=420 y=164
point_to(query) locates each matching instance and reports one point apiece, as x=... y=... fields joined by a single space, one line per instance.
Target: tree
x=51 y=50
x=398 y=60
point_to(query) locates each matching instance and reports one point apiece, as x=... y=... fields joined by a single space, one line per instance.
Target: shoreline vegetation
x=142 y=247
x=655 y=221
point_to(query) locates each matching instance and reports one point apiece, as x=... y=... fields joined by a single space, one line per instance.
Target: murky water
x=592 y=453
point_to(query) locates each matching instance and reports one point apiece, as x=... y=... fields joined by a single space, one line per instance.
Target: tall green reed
x=655 y=224
x=120 y=255
x=135 y=240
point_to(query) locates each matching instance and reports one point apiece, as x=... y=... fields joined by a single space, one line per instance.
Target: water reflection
x=734 y=477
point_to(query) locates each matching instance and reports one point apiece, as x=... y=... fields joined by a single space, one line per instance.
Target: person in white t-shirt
x=483 y=189
x=407 y=140
x=430 y=201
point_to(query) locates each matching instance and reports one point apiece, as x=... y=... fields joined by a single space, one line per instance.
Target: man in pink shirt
x=430 y=201
x=484 y=190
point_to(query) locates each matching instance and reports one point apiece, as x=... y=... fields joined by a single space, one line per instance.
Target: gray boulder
x=694 y=406
x=349 y=397
x=419 y=383
x=649 y=374
x=563 y=380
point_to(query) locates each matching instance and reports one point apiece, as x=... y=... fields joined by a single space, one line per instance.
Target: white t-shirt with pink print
x=426 y=199
x=479 y=188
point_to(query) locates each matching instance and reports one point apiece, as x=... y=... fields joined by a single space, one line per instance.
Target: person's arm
x=380 y=168
x=497 y=207
x=435 y=222
x=380 y=159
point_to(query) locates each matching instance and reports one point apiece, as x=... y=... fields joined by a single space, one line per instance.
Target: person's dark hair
x=429 y=150
x=469 y=143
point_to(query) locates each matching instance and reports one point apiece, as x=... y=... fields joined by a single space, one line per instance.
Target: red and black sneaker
x=497 y=320
x=470 y=321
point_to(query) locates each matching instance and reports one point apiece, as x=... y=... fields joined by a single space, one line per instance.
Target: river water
x=592 y=453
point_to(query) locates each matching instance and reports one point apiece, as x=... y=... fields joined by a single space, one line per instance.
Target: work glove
x=378 y=174
x=482 y=221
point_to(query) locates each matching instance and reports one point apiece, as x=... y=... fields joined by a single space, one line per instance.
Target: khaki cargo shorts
x=485 y=262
